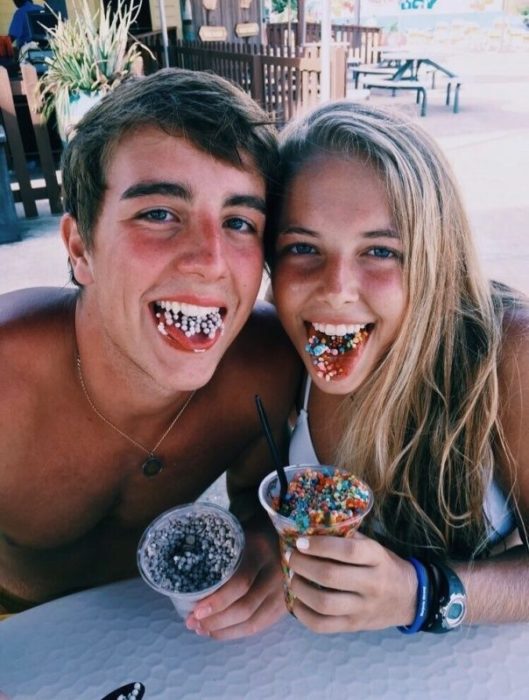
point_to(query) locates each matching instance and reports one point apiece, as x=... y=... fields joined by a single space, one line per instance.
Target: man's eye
x=238 y=224
x=157 y=215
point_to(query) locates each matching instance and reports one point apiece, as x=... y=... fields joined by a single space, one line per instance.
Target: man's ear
x=77 y=253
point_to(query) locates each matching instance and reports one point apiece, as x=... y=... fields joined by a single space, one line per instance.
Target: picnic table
x=87 y=644
x=400 y=70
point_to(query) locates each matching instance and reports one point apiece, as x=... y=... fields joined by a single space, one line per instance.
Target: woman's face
x=338 y=282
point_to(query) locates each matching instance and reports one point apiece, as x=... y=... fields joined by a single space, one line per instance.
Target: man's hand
x=251 y=600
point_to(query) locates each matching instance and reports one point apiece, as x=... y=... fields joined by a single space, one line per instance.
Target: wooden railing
x=283 y=80
x=30 y=188
x=362 y=42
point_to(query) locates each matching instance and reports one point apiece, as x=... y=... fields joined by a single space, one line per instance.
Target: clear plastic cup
x=289 y=530
x=161 y=541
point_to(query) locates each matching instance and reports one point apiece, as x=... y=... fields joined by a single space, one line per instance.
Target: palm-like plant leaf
x=90 y=52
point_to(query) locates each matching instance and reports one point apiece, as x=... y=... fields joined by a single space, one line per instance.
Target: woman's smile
x=338 y=271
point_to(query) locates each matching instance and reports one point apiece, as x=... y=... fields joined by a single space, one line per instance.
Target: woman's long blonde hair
x=423 y=430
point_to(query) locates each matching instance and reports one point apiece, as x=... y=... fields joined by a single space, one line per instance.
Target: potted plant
x=91 y=54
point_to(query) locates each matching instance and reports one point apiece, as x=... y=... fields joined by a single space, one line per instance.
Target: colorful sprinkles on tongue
x=316 y=498
x=325 y=349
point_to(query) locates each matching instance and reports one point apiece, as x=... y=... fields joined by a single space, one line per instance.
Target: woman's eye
x=300 y=249
x=238 y=224
x=385 y=253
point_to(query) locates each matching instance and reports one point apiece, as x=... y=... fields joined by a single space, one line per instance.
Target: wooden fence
x=283 y=80
x=30 y=189
x=362 y=42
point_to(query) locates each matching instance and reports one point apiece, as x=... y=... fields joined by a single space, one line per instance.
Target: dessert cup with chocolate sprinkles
x=189 y=552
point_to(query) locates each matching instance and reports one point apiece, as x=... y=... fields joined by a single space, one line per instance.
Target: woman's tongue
x=331 y=354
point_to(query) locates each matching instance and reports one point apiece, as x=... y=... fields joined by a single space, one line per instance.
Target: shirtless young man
x=165 y=187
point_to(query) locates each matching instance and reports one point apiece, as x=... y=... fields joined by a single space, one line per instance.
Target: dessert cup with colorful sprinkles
x=189 y=552
x=321 y=500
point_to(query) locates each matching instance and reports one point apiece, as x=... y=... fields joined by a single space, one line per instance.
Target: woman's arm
x=498 y=589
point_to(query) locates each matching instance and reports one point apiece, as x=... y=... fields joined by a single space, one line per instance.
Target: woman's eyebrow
x=144 y=189
x=382 y=233
x=297 y=229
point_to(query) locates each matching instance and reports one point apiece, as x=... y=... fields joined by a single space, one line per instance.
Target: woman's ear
x=77 y=253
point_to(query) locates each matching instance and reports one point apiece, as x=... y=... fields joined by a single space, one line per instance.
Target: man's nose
x=340 y=282
x=203 y=251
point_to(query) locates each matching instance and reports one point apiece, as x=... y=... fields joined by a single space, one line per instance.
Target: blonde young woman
x=417 y=380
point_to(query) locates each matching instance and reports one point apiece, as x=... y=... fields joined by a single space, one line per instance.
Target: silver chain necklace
x=152 y=465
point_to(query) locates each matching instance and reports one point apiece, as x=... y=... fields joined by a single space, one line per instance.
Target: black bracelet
x=449 y=605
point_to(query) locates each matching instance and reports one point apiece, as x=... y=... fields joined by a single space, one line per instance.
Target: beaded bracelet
x=423 y=593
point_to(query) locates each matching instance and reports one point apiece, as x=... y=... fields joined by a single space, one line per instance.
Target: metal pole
x=165 y=37
x=325 y=51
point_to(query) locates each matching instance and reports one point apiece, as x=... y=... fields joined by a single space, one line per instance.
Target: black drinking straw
x=283 y=483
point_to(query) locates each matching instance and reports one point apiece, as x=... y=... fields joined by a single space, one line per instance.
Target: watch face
x=454 y=611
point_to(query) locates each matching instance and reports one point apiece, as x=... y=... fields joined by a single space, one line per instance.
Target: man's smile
x=192 y=327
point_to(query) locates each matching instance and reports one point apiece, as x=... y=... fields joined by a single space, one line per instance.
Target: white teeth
x=339 y=329
x=190 y=318
x=188 y=309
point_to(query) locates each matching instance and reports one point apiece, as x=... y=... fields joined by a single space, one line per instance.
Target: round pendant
x=152 y=466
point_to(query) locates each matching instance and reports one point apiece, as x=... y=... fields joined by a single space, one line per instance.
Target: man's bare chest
x=74 y=481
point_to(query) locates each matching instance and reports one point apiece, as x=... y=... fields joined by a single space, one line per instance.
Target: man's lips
x=330 y=347
x=192 y=327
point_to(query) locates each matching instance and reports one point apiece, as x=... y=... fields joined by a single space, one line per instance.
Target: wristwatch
x=450 y=609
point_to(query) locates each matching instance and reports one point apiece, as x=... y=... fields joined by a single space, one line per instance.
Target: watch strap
x=448 y=607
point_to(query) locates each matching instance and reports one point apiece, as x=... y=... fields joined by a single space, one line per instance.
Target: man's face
x=177 y=257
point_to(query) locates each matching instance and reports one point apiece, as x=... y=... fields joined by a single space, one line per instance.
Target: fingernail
x=202 y=632
x=201 y=613
x=302 y=543
x=191 y=623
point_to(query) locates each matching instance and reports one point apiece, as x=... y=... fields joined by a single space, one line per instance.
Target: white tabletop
x=87 y=644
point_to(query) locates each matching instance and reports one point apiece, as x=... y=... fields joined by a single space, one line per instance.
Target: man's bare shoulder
x=263 y=347
x=261 y=361
x=33 y=325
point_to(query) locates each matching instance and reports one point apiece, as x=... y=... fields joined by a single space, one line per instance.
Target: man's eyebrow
x=144 y=189
x=247 y=200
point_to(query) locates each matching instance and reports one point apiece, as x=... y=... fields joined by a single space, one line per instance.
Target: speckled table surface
x=87 y=644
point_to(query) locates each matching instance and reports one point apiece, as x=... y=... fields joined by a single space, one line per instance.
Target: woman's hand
x=251 y=600
x=360 y=585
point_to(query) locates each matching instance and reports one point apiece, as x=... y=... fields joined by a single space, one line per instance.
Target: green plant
x=91 y=52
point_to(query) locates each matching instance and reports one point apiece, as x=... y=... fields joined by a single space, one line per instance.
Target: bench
x=456 y=82
x=395 y=85
x=370 y=69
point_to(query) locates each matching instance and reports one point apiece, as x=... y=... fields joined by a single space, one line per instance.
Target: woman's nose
x=340 y=282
